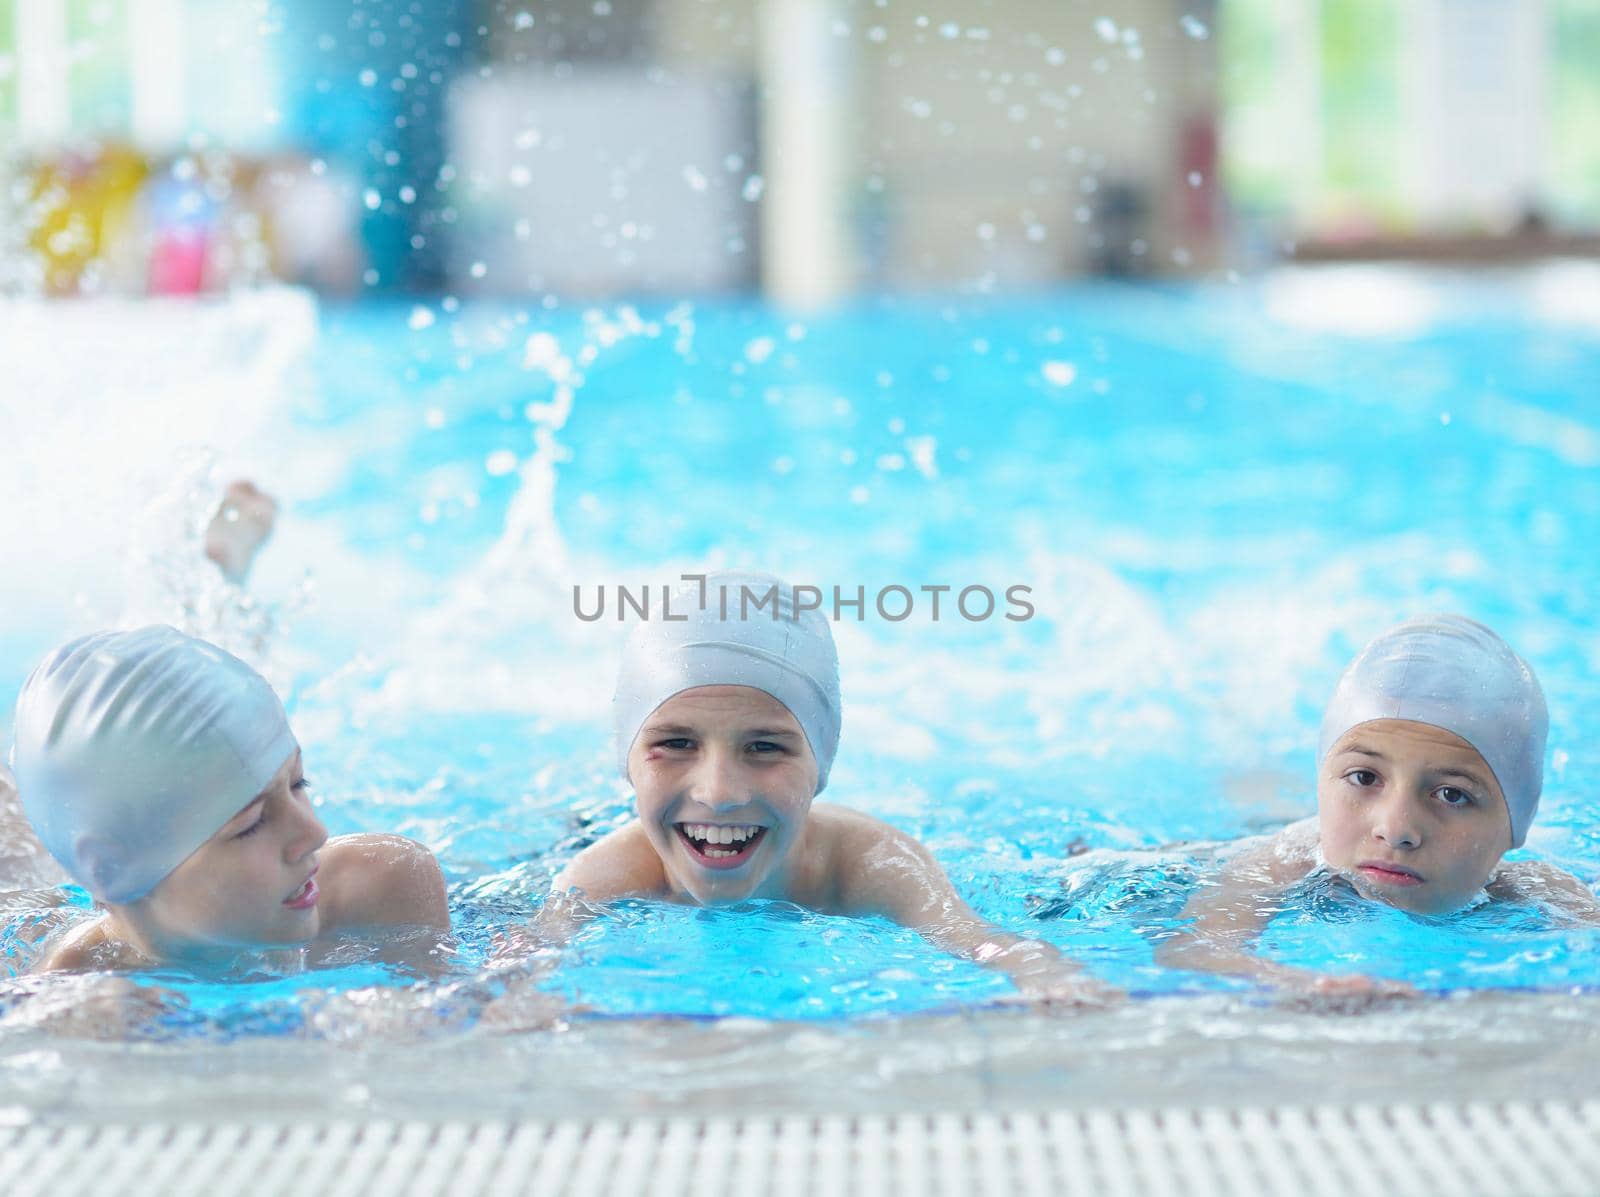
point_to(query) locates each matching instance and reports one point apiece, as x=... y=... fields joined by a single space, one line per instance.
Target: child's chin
x=721 y=891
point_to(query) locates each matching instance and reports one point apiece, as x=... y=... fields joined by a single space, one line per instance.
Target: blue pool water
x=1216 y=493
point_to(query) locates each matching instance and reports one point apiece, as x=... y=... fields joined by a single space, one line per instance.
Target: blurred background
x=809 y=150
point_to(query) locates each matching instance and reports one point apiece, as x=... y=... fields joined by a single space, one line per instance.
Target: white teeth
x=719 y=833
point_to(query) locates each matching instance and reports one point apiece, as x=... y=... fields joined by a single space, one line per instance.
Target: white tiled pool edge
x=1499 y=1148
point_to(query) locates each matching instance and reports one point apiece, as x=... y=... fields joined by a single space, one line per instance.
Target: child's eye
x=1452 y=796
x=765 y=747
x=254 y=827
x=303 y=785
x=676 y=744
x=1362 y=777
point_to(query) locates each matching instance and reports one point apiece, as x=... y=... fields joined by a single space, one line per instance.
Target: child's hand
x=1345 y=994
x=524 y=1007
x=98 y=1006
x=515 y=945
x=1074 y=992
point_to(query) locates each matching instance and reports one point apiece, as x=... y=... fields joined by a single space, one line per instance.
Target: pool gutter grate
x=1543 y=1149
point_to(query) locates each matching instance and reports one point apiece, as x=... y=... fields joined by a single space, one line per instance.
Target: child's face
x=724 y=779
x=1412 y=814
x=249 y=885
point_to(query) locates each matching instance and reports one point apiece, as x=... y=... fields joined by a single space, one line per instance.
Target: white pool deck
x=1491 y=1094
x=1456 y=1150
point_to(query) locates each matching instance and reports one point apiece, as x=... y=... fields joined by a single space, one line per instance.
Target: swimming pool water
x=1215 y=492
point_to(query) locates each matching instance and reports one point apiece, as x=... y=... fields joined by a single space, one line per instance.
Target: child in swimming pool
x=162 y=774
x=241 y=524
x=726 y=725
x=1429 y=770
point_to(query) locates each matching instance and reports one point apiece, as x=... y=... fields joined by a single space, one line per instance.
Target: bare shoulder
x=1278 y=860
x=86 y=948
x=1540 y=881
x=378 y=880
x=621 y=865
x=843 y=830
x=857 y=864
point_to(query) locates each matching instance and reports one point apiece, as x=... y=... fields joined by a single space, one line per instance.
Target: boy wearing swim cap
x=727 y=720
x=162 y=774
x=1430 y=765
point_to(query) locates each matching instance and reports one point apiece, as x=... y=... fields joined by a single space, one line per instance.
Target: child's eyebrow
x=1363 y=750
x=668 y=729
x=1471 y=775
x=771 y=733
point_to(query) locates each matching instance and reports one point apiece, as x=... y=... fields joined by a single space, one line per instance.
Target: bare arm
x=1227 y=917
x=91 y=1006
x=1538 y=881
x=621 y=865
x=886 y=872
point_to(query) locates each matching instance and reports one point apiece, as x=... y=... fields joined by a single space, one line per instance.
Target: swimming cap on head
x=133 y=748
x=718 y=636
x=1454 y=673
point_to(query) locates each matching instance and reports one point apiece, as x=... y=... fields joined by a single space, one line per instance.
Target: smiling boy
x=1430 y=766
x=726 y=725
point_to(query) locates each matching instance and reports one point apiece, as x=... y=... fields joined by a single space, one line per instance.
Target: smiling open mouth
x=721 y=845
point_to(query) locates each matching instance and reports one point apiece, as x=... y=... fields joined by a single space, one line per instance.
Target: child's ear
x=97 y=857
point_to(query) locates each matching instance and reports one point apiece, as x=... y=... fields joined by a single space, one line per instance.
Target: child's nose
x=717 y=781
x=308 y=835
x=1395 y=824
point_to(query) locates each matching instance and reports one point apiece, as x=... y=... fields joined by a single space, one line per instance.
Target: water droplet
x=1107 y=29
x=372 y=199
x=500 y=463
x=759 y=350
x=478 y=270
x=421 y=317
x=1059 y=374
x=368 y=77
x=753 y=187
x=1194 y=27
x=693 y=177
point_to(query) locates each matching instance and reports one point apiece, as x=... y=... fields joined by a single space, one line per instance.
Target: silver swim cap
x=728 y=640
x=1452 y=672
x=133 y=748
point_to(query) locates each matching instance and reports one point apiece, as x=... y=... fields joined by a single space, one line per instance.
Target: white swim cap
x=731 y=641
x=1452 y=672
x=133 y=748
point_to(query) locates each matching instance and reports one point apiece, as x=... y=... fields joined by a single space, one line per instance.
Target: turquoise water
x=1214 y=505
